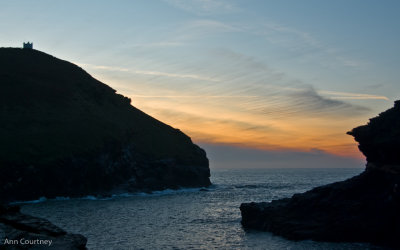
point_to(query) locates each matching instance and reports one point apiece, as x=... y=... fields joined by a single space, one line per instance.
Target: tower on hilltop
x=28 y=45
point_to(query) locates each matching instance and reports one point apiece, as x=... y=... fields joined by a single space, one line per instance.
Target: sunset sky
x=256 y=83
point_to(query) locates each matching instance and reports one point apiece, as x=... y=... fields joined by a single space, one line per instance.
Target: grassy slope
x=52 y=109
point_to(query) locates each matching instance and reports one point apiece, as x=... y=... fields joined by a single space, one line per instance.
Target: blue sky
x=270 y=76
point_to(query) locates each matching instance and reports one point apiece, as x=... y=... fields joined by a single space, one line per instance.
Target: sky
x=257 y=83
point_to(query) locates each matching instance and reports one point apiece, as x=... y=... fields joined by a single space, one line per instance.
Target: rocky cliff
x=64 y=133
x=364 y=208
x=379 y=140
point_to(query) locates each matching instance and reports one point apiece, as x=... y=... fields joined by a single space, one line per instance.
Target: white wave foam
x=121 y=195
x=41 y=199
x=171 y=191
x=62 y=198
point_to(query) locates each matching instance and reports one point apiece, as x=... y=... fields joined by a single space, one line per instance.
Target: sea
x=198 y=218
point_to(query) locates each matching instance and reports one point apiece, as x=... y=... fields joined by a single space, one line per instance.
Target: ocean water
x=190 y=218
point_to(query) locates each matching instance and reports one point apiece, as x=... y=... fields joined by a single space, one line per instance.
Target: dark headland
x=365 y=208
x=65 y=134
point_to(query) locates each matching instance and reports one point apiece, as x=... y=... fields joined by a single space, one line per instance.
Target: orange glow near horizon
x=224 y=120
x=260 y=116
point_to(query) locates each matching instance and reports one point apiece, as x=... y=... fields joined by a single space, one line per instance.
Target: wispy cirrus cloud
x=310 y=102
x=277 y=94
x=295 y=35
x=195 y=96
x=150 y=72
x=195 y=30
x=254 y=105
x=239 y=120
x=305 y=44
x=212 y=25
x=242 y=98
x=204 y=7
x=163 y=44
x=174 y=75
x=302 y=102
x=352 y=96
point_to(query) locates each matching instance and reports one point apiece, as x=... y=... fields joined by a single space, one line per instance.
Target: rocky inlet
x=364 y=208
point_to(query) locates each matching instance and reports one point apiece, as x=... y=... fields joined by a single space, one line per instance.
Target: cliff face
x=379 y=140
x=63 y=133
x=364 y=208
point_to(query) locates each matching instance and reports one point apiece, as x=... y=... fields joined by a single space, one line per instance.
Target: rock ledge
x=21 y=231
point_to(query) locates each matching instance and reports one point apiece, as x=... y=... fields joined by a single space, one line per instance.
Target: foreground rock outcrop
x=365 y=208
x=21 y=231
x=63 y=133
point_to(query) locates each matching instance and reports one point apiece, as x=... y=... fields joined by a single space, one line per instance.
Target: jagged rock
x=63 y=133
x=364 y=208
x=21 y=231
x=379 y=140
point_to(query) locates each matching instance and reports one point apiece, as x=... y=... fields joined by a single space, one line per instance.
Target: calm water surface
x=190 y=219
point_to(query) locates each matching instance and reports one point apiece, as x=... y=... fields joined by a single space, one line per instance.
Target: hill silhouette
x=64 y=133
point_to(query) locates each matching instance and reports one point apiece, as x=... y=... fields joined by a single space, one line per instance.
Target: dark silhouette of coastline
x=364 y=208
x=64 y=133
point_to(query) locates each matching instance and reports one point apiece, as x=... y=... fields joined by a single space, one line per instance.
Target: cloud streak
x=222 y=95
x=305 y=37
x=193 y=96
x=271 y=121
x=312 y=103
x=151 y=73
x=157 y=73
x=165 y=44
x=204 y=7
x=304 y=44
x=352 y=96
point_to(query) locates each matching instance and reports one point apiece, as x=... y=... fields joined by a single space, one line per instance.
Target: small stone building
x=28 y=45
